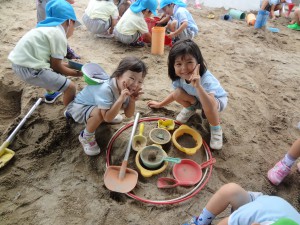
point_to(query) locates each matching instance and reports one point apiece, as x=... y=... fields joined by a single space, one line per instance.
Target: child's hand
x=171 y=35
x=195 y=77
x=154 y=104
x=136 y=94
x=125 y=92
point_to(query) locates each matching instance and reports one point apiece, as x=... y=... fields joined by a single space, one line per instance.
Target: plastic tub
x=237 y=14
x=251 y=19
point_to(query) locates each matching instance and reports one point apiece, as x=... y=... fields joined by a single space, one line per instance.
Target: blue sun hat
x=141 y=5
x=57 y=12
x=164 y=3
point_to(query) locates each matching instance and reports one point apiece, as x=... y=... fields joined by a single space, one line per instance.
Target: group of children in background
x=103 y=19
x=38 y=60
x=277 y=5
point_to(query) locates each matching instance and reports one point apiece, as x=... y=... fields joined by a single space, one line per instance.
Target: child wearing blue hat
x=181 y=24
x=100 y=17
x=41 y=15
x=37 y=57
x=132 y=24
x=249 y=208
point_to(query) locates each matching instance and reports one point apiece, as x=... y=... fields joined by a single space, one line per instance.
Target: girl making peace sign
x=194 y=88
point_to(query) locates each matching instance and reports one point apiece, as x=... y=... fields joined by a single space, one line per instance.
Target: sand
x=51 y=181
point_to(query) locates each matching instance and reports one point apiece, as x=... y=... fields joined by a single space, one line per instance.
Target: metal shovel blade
x=123 y=185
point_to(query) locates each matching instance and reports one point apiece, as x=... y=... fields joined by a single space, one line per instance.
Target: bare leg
x=297 y=16
x=295 y=149
x=264 y=4
x=94 y=121
x=183 y=98
x=69 y=94
x=229 y=194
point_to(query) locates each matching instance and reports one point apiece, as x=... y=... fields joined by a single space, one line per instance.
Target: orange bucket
x=158 y=40
x=251 y=19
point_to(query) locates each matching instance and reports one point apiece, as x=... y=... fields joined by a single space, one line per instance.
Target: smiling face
x=130 y=80
x=184 y=66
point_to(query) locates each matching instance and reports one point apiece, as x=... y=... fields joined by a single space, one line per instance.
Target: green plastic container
x=94 y=74
x=237 y=14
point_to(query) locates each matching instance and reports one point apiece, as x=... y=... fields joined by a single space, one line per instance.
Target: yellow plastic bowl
x=184 y=129
x=166 y=124
x=146 y=172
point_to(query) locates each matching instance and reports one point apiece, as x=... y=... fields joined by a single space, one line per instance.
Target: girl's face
x=184 y=66
x=131 y=80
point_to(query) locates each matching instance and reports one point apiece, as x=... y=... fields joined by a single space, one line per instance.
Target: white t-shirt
x=34 y=49
x=102 y=10
x=131 y=23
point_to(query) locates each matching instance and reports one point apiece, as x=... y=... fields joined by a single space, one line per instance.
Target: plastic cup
x=158 y=40
x=261 y=19
x=237 y=14
x=251 y=19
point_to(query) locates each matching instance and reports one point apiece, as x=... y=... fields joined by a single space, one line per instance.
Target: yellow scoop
x=139 y=141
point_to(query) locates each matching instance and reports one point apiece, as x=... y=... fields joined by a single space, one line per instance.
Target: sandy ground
x=51 y=181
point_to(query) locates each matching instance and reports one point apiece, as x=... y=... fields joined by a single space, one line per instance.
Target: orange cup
x=158 y=40
x=251 y=19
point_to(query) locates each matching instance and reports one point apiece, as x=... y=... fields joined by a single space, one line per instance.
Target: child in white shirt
x=132 y=24
x=100 y=17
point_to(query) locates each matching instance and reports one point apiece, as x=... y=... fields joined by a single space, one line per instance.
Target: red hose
x=166 y=202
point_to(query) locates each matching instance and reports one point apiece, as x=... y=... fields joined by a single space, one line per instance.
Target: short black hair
x=181 y=48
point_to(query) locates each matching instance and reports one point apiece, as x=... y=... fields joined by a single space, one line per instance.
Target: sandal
x=138 y=44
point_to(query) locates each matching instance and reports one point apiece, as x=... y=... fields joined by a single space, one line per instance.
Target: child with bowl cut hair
x=41 y=15
x=181 y=24
x=38 y=56
x=194 y=88
x=96 y=104
x=100 y=17
x=132 y=24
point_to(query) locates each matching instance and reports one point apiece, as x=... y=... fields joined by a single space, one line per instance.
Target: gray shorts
x=80 y=113
x=222 y=103
x=126 y=39
x=95 y=26
x=40 y=10
x=45 y=78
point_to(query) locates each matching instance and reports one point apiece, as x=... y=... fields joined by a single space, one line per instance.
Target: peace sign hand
x=195 y=77
x=125 y=92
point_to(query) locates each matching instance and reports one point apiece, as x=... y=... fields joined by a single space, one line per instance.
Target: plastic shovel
x=75 y=65
x=186 y=173
x=5 y=153
x=139 y=141
x=120 y=178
